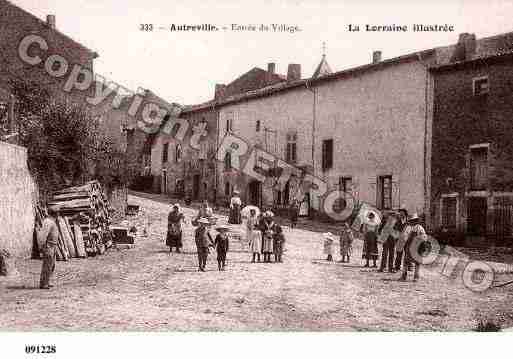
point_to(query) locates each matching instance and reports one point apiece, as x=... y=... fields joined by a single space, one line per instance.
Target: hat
x=268 y=214
x=203 y=220
x=236 y=192
x=222 y=227
x=327 y=235
x=414 y=216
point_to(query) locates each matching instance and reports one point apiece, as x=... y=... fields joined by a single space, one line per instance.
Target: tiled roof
x=78 y=44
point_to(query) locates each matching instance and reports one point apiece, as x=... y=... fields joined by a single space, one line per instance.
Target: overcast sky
x=184 y=67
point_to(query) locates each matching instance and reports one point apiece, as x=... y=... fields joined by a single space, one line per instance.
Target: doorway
x=164 y=181
x=195 y=187
x=477 y=212
x=255 y=193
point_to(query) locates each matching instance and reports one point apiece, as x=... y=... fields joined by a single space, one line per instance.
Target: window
x=344 y=184
x=291 y=149
x=480 y=86
x=384 y=192
x=165 y=152
x=258 y=126
x=327 y=154
x=178 y=153
x=478 y=167
x=449 y=205
x=229 y=122
x=227 y=161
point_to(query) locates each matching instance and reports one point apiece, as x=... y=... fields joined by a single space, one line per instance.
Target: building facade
x=472 y=171
x=362 y=130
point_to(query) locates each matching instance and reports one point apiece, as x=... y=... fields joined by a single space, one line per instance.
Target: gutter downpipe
x=427 y=207
x=314 y=120
x=216 y=184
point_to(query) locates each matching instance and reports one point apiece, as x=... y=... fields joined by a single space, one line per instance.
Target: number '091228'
x=40 y=349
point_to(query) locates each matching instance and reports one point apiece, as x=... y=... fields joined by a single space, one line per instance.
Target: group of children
x=408 y=227
x=346 y=238
x=265 y=237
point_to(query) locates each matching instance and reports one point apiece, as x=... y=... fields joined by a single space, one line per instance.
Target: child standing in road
x=222 y=245
x=328 y=246
x=346 y=242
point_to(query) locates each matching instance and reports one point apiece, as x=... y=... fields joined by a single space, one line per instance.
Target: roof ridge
x=94 y=53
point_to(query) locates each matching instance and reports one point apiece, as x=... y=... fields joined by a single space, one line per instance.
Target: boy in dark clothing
x=222 y=245
x=203 y=241
x=279 y=241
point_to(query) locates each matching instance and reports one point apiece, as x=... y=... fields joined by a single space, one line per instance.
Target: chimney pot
x=271 y=68
x=219 y=91
x=294 y=72
x=50 y=21
x=376 y=57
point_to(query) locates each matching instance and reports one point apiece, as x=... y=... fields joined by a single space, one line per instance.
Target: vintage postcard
x=260 y=166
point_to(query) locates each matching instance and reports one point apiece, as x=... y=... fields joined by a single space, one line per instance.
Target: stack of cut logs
x=83 y=221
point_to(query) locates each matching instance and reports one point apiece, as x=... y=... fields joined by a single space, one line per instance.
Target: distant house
x=181 y=170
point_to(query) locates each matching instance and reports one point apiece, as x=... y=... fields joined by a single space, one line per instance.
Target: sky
x=184 y=67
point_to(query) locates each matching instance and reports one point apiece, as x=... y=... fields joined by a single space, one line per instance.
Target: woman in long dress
x=268 y=231
x=253 y=236
x=174 y=229
x=370 y=243
x=235 y=208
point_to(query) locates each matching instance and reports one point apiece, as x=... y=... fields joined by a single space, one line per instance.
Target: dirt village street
x=147 y=288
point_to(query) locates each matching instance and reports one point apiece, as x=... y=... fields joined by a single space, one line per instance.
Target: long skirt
x=370 y=246
x=174 y=240
x=235 y=216
x=255 y=242
x=346 y=248
x=267 y=244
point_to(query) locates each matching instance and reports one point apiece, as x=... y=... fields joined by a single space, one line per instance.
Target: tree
x=64 y=144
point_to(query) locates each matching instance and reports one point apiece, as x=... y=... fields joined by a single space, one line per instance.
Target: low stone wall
x=17 y=197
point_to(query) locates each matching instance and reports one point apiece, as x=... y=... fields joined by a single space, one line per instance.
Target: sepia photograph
x=295 y=167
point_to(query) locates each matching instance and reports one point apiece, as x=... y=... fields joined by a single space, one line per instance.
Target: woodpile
x=83 y=221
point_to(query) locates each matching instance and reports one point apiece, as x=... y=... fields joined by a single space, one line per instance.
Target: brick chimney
x=465 y=49
x=376 y=57
x=271 y=68
x=294 y=72
x=220 y=91
x=50 y=21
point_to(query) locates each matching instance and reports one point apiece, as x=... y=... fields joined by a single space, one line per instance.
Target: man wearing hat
x=203 y=241
x=174 y=228
x=403 y=216
x=222 y=245
x=48 y=238
x=412 y=231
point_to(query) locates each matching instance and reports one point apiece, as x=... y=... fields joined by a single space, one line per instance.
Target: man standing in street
x=203 y=241
x=412 y=250
x=48 y=237
x=399 y=248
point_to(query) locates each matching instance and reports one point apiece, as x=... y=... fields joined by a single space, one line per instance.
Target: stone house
x=353 y=129
x=178 y=168
x=472 y=158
